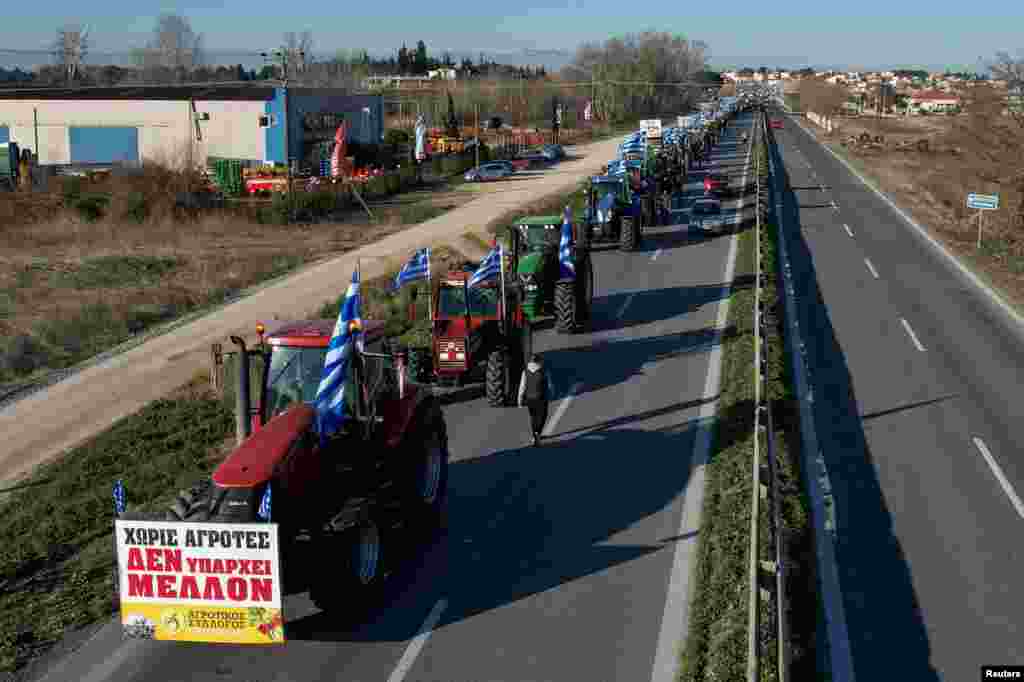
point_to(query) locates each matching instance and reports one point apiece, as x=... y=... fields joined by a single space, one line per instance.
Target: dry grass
x=71 y=287
x=933 y=187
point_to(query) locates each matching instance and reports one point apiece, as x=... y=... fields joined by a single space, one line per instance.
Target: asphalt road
x=557 y=561
x=911 y=368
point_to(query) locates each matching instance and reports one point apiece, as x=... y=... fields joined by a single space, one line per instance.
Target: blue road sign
x=983 y=201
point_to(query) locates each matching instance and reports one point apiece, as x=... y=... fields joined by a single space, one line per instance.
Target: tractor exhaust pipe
x=243 y=426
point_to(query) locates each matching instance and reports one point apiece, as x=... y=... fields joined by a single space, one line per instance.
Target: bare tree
x=70 y=47
x=821 y=97
x=174 y=50
x=1011 y=70
x=649 y=57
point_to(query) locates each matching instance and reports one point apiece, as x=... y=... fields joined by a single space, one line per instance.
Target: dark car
x=706 y=215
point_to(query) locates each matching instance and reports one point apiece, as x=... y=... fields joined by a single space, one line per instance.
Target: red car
x=716 y=184
x=776 y=123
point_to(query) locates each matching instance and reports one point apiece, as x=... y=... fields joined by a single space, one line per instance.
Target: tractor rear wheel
x=565 y=307
x=586 y=290
x=628 y=234
x=498 y=378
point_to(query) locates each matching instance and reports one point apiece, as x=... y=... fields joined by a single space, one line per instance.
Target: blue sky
x=882 y=32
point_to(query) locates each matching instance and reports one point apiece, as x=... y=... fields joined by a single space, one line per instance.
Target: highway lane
x=557 y=560
x=909 y=366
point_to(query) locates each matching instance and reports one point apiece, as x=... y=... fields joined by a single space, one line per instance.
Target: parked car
x=776 y=123
x=706 y=215
x=495 y=170
x=716 y=184
x=507 y=164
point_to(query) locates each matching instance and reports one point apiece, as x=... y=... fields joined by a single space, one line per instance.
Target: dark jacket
x=534 y=384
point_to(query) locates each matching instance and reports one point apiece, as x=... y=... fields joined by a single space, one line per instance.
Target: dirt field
x=933 y=186
x=71 y=288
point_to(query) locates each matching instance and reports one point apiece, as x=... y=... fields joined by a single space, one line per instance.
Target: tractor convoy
x=379 y=483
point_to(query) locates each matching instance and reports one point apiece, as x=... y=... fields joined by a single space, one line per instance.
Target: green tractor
x=533 y=250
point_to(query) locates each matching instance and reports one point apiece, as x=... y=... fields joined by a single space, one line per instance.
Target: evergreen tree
x=420 y=64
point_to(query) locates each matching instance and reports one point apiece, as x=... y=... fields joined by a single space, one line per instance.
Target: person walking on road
x=534 y=394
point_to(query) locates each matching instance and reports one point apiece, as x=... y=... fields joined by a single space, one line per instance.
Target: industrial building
x=172 y=124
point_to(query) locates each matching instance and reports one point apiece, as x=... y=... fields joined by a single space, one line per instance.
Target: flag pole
x=504 y=303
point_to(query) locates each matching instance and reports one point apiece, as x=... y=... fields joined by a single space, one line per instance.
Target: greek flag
x=119 y=497
x=490 y=267
x=565 y=261
x=264 y=511
x=418 y=267
x=330 y=396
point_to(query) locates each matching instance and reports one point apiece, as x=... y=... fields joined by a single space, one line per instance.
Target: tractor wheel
x=192 y=504
x=565 y=307
x=428 y=484
x=498 y=378
x=586 y=290
x=628 y=234
x=350 y=587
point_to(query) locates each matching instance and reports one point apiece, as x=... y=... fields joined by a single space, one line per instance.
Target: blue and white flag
x=566 y=266
x=119 y=505
x=490 y=267
x=418 y=267
x=264 y=511
x=330 y=396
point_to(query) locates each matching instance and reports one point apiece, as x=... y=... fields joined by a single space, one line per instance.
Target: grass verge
x=716 y=644
x=56 y=557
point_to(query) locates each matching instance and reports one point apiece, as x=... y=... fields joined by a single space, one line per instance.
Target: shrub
x=137 y=208
x=22 y=355
x=395 y=137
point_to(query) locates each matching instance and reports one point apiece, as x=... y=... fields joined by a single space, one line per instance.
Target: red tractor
x=475 y=331
x=378 y=483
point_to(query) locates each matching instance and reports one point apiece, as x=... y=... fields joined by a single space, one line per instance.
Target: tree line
x=176 y=53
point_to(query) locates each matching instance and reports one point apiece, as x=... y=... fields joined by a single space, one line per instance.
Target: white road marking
x=625 y=304
x=848 y=230
x=656 y=254
x=913 y=336
x=675 y=619
x=1003 y=481
x=871 y=268
x=562 y=407
x=417 y=643
x=923 y=233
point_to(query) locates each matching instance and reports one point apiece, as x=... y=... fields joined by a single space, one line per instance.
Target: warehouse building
x=132 y=124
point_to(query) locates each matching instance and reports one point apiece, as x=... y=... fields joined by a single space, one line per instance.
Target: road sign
x=984 y=202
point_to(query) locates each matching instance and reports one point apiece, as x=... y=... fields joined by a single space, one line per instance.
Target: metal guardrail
x=758 y=569
x=815 y=474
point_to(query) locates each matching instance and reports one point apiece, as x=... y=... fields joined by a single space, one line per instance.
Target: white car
x=706 y=215
x=488 y=171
